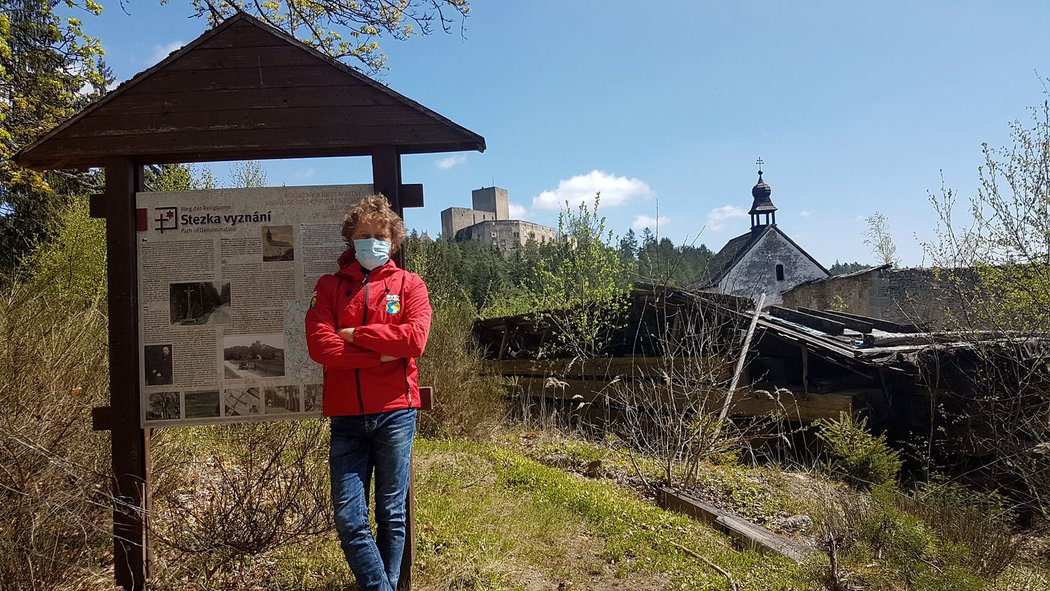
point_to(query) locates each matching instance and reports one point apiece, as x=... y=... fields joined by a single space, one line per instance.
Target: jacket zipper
x=357 y=372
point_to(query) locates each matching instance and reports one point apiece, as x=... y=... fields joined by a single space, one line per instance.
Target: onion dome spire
x=762 y=204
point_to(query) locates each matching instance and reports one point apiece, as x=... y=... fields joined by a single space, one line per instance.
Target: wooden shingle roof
x=243 y=91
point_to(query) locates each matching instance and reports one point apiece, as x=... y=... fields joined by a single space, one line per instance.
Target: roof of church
x=736 y=249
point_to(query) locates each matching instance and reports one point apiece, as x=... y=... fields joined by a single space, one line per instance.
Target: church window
x=780 y=272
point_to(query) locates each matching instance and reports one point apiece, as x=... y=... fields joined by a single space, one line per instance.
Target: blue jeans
x=379 y=443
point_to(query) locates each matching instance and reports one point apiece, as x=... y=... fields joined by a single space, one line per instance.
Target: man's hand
x=385 y=358
x=347 y=334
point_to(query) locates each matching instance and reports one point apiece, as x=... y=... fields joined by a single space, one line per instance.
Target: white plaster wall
x=756 y=274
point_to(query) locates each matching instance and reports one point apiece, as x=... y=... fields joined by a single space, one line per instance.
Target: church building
x=764 y=260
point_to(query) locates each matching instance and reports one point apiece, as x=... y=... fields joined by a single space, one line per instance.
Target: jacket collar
x=351 y=269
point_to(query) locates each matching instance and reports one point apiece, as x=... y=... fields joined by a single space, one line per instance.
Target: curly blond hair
x=375 y=209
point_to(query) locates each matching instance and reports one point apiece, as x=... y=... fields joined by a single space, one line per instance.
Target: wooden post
x=740 y=362
x=805 y=370
x=386 y=179
x=129 y=441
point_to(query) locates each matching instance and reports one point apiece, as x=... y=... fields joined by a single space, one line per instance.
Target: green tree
x=845 y=268
x=346 y=29
x=248 y=174
x=581 y=282
x=1005 y=237
x=48 y=70
x=178 y=177
x=879 y=239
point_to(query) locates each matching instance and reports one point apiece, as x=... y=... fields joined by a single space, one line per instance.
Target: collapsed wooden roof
x=245 y=90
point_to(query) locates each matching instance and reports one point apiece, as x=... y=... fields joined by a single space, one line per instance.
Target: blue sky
x=665 y=106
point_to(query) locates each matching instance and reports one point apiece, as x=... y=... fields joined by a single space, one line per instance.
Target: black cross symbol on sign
x=166 y=219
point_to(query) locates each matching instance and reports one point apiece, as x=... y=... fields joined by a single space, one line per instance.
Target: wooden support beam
x=102 y=418
x=97 y=206
x=129 y=440
x=805 y=370
x=386 y=175
x=410 y=195
x=386 y=179
x=824 y=325
x=426 y=398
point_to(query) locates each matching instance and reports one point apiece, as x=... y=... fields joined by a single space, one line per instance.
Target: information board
x=225 y=279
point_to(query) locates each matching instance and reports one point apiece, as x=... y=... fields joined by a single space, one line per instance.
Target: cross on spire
x=759 y=163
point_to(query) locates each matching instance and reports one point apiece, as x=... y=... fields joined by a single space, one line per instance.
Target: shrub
x=856 y=455
x=70 y=269
x=54 y=527
x=223 y=494
x=467 y=403
x=977 y=521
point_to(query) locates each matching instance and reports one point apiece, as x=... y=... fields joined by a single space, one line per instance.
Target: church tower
x=762 y=204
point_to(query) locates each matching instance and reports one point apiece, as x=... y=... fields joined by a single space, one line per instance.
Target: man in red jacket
x=367 y=324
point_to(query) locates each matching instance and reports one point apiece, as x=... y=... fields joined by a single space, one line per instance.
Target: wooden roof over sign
x=243 y=91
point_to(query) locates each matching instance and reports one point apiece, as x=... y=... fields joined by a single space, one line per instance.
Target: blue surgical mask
x=371 y=252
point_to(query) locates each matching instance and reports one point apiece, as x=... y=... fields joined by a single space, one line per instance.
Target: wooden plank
x=883 y=325
x=129 y=440
x=41 y=159
x=219 y=58
x=850 y=323
x=791 y=405
x=344 y=96
x=319 y=75
x=102 y=125
x=717 y=367
x=242 y=35
x=824 y=325
x=193 y=144
x=748 y=534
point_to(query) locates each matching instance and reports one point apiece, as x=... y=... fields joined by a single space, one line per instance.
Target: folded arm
x=324 y=343
x=407 y=339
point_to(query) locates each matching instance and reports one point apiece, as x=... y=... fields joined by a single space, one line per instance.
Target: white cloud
x=581 y=188
x=451 y=161
x=517 y=212
x=642 y=222
x=161 y=51
x=718 y=218
x=805 y=213
x=306 y=173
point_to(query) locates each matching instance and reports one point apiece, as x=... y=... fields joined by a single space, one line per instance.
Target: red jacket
x=390 y=312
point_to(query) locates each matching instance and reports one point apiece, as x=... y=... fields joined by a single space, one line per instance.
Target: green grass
x=490 y=518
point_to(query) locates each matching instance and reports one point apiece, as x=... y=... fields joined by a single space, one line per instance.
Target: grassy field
x=490 y=518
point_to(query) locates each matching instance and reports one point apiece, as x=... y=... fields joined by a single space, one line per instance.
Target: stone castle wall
x=937 y=298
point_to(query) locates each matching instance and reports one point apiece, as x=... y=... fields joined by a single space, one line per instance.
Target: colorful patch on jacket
x=393 y=307
x=313 y=300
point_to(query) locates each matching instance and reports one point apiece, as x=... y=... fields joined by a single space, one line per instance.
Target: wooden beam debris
x=824 y=325
x=750 y=535
x=860 y=326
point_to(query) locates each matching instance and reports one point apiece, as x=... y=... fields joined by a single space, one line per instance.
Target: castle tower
x=493 y=199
